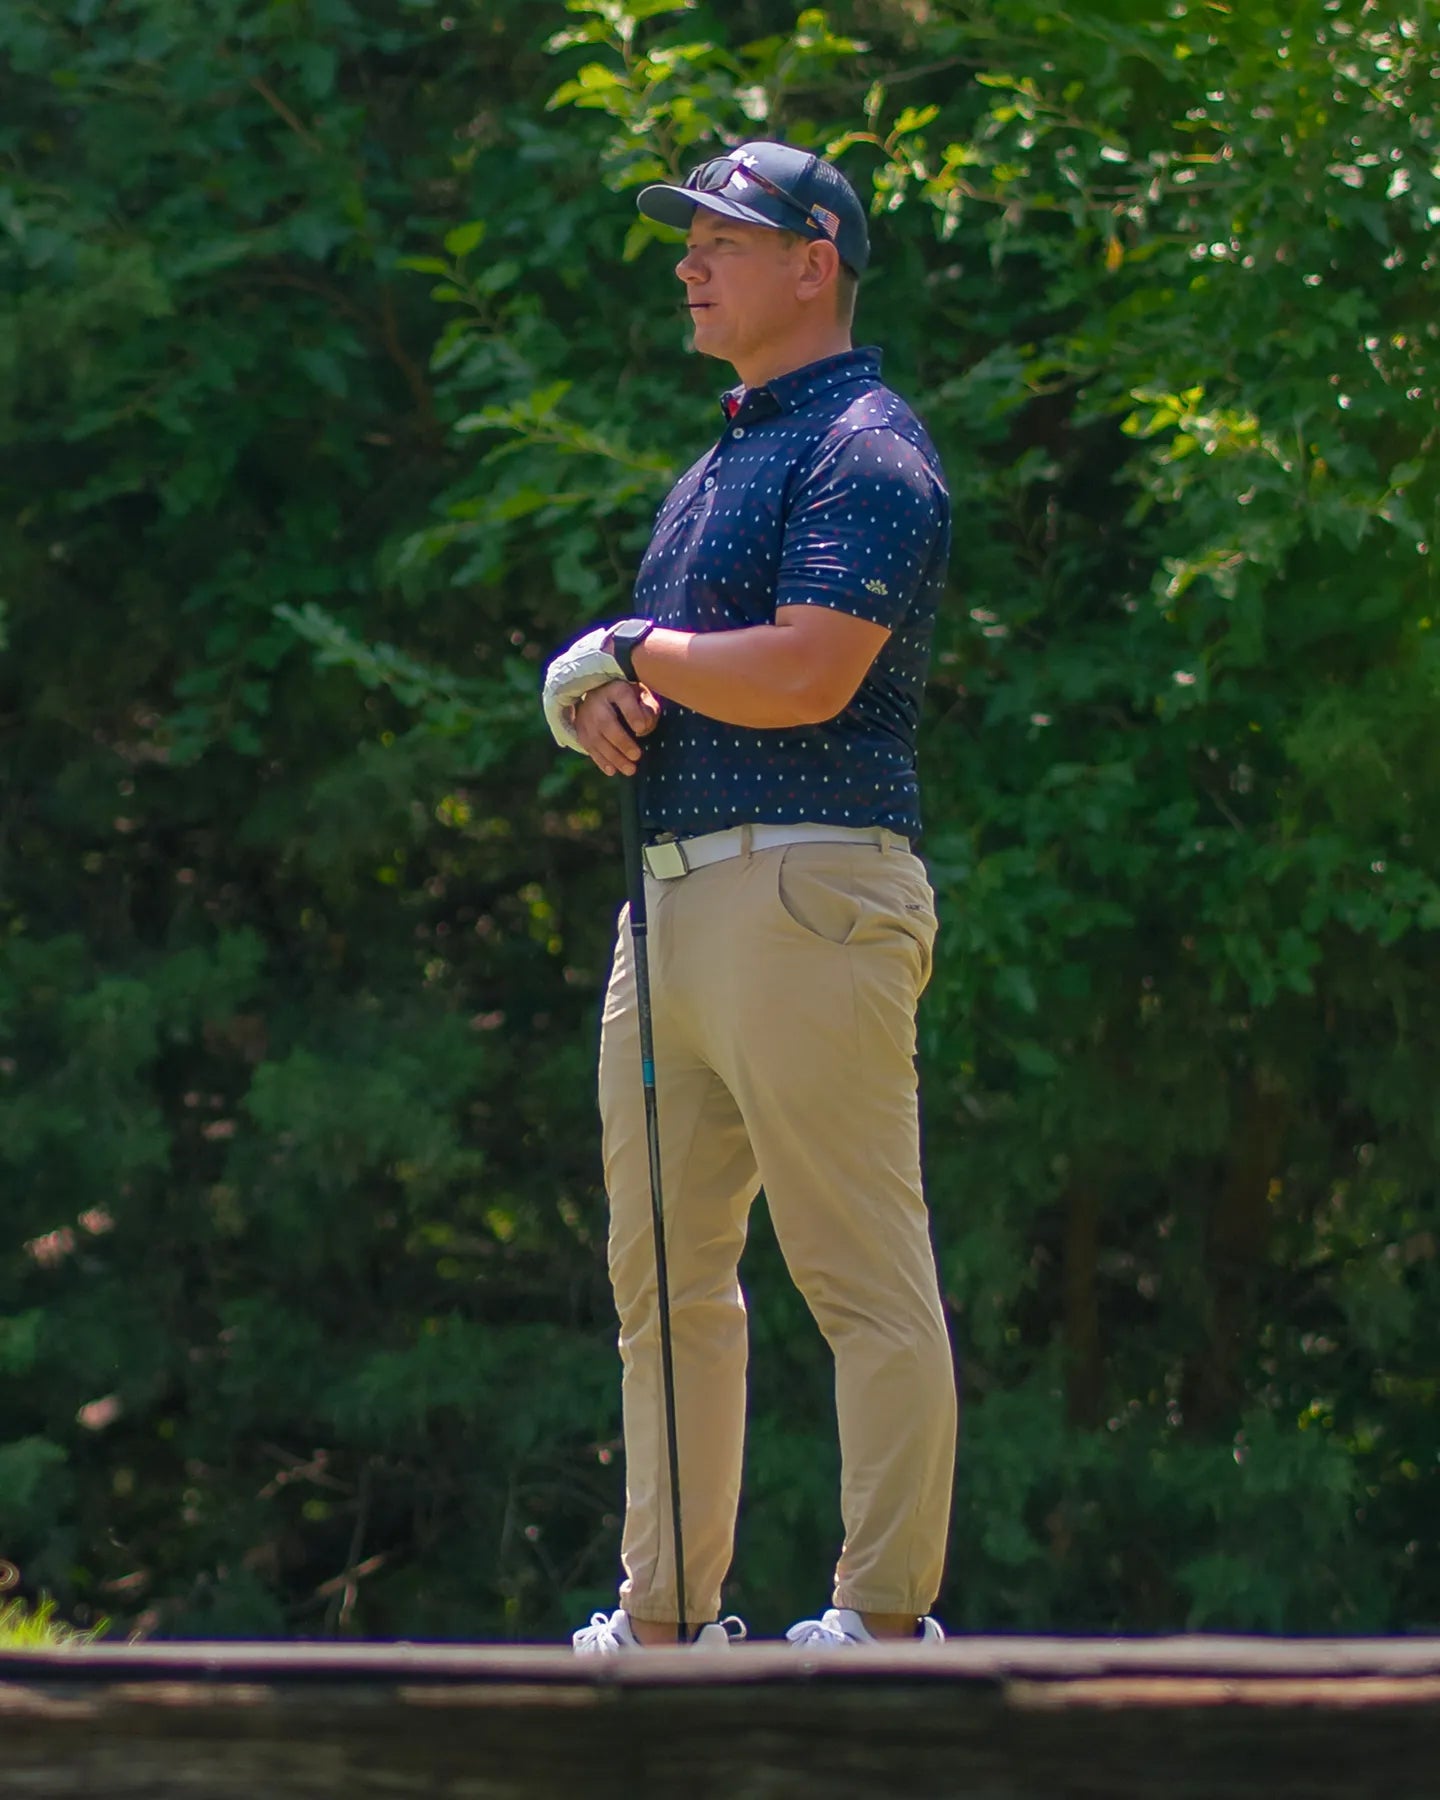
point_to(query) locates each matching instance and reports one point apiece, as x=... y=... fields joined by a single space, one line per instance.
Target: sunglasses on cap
x=724 y=172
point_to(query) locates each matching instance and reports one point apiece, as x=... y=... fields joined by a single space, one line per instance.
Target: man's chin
x=699 y=339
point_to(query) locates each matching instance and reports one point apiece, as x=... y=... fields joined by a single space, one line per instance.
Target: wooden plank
x=987 y=1719
x=1342 y=1692
x=975 y=1658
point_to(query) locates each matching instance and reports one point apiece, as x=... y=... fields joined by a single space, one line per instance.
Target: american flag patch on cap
x=828 y=222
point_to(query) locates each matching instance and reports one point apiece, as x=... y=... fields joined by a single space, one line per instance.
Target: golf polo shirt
x=824 y=490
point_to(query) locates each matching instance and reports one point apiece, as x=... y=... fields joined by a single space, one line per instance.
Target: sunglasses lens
x=710 y=177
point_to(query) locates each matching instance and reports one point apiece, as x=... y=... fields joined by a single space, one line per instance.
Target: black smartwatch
x=625 y=639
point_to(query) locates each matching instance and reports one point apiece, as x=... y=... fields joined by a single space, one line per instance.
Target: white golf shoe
x=608 y=1634
x=839 y=1628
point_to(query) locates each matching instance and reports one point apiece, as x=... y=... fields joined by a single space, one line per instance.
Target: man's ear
x=820 y=269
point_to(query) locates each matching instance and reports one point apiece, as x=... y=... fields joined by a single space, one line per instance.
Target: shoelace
x=816 y=1631
x=598 y=1627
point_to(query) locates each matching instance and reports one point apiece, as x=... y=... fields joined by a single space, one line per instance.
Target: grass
x=35 y=1627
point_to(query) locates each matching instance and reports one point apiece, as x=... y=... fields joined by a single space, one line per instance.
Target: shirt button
x=739 y=431
x=709 y=482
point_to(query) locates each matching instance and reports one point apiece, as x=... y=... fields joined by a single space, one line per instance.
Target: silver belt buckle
x=666 y=861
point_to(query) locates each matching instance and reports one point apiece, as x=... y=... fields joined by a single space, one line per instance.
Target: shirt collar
x=788 y=392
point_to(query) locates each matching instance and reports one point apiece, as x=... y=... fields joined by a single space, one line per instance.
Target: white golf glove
x=570 y=677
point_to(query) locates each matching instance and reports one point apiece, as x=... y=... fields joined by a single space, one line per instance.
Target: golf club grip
x=630 y=839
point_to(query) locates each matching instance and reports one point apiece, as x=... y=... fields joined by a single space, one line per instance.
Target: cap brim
x=675 y=206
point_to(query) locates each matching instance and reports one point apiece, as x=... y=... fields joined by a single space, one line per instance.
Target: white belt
x=681 y=855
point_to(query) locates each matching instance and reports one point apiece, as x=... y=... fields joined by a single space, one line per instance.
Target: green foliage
x=338 y=383
x=24 y=1627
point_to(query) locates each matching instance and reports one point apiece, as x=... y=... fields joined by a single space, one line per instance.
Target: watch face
x=625 y=639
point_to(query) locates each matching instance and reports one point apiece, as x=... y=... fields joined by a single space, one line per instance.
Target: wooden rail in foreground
x=1183 y=1718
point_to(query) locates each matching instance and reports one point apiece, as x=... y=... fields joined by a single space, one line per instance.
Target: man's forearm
x=761 y=676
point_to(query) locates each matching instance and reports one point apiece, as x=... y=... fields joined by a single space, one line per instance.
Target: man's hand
x=586 y=665
x=589 y=663
x=600 y=722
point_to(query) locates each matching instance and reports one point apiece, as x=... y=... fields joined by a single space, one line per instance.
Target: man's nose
x=690 y=268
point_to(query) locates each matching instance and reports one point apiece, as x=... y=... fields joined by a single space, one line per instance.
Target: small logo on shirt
x=876 y=587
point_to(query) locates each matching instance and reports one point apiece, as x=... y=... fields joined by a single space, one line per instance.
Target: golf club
x=635 y=883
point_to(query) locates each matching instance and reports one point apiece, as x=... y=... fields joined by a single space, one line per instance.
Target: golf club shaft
x=639 y=930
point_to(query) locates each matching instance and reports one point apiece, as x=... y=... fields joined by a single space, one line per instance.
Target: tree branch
x=277 y=105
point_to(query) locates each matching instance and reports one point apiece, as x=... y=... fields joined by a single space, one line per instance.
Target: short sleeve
x=862 y=529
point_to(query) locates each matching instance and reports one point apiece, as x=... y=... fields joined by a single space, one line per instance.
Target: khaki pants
x=784 y=985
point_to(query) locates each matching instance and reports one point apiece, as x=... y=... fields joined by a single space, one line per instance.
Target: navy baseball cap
x=769 y=184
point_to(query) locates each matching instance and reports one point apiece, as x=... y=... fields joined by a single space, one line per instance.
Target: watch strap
x=625 y=640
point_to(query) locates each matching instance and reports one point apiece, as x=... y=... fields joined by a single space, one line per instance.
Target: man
x=786 y=606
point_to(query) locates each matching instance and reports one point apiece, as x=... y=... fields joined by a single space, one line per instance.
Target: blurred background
x=339 y=384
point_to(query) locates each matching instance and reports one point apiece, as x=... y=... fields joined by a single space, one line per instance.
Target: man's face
x=740 y=285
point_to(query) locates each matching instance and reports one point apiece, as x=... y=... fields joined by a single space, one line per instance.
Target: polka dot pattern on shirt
x=823 y=490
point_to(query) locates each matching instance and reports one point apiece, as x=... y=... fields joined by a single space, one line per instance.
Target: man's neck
x=769 y=365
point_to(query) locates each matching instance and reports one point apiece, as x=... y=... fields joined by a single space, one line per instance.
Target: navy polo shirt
x=824 y=490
